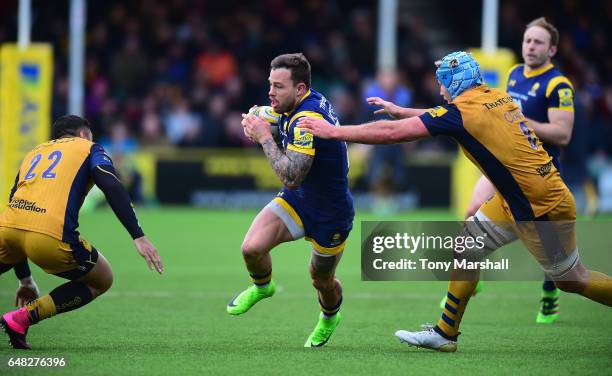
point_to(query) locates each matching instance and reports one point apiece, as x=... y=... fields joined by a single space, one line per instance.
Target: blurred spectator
x=214 y=120
x=178 y=68
x=344 y=104
x=129 y=68
x=183 y=127
x=363 y=42
x=98 y=94
x=121 y=146
x=120 y=141
x=151 y=131
x=387 y=172
x=218 y=64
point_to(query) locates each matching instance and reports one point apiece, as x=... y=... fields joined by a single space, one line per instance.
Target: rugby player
x=41 y=221
x=546 y=98
x=532 y=203
x=315 y=202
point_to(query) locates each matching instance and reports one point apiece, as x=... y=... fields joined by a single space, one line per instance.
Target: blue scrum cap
x=458 y=71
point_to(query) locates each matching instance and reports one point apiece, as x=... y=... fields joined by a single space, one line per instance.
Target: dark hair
x=552 y=30
x=297 y=64
x=68 y=125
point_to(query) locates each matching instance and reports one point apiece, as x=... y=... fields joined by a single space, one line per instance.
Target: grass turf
x=177 y=324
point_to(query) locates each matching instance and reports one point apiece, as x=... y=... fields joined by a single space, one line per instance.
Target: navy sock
x=71 y=295
x=549 y=286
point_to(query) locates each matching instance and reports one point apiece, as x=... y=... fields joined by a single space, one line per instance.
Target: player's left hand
x=390 y=108
x=148 y=251
x=27 y=292
x=256 y=128
x=317 y=127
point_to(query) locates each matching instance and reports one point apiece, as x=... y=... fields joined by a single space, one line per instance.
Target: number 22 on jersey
x=48 y=173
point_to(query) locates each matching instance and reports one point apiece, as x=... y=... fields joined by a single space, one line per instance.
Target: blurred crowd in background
x=181 y=72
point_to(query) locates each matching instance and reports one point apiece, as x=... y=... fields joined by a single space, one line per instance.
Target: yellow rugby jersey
x=52 y=183
x=494 y=134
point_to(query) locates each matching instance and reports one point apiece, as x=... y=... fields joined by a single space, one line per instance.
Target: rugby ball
x=269 y=115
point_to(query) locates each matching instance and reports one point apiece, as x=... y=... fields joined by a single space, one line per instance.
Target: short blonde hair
x=552 y=30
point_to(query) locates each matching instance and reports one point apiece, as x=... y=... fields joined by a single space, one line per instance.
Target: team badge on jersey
x=534 y=89
x=437 y=111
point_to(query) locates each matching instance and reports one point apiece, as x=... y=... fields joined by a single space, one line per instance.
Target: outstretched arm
x=106 y=179
x=290 y=167
x=394 y=110
x=377 y=132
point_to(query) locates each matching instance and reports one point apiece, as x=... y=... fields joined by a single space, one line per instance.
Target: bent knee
x=107 y=283
x=102 y=285
x=102 y=281
x=252 y=250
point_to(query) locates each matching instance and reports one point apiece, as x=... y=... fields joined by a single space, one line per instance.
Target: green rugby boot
x=323 y=331
x=246 y=299
x=549 y=307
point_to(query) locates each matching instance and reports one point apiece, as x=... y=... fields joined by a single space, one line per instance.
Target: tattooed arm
x=291 y=167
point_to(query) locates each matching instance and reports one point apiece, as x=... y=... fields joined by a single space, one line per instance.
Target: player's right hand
x=148 y=251
x=27 y=292
x=256 y=128
x=390 y=108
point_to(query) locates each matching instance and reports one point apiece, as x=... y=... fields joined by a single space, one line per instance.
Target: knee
x=251 y=250
x=576 y=287
x=102 y=285
x=107 y=283
x=575 y=280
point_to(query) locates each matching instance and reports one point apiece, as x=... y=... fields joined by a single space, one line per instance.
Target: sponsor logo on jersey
x=544 y=169
x=19 y=203
x=566 y=99
x=336 y=239
x=437 y=111
x=499 y=102
x=514 y=115
x=303 y=139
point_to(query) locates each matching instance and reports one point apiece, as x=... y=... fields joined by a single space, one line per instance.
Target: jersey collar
x=304 y=96
x=538 y=71
x=469 y=93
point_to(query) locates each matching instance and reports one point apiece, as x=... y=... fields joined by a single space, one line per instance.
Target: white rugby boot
x=428 y=338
